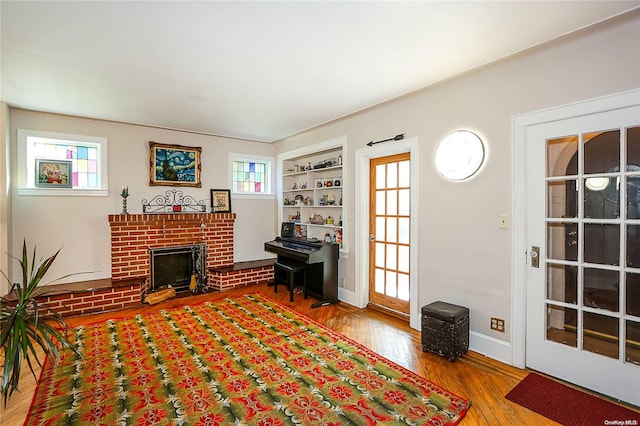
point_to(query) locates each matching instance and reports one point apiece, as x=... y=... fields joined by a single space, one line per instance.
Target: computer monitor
x=287 y=230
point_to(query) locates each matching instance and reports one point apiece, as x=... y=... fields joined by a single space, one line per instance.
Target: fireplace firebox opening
x=181 y=267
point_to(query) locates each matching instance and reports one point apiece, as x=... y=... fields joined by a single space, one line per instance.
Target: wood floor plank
x=482 y=380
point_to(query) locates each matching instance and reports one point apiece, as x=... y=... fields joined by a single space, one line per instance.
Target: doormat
x=567 y=405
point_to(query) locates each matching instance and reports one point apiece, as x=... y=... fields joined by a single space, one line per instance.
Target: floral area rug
x=238 y=361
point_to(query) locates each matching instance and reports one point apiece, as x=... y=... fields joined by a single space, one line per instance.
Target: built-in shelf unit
x=311 y=193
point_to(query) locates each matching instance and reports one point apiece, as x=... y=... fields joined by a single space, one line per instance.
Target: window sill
x=63 y=192
x=255 y=196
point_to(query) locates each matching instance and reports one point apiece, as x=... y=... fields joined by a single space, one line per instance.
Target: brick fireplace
x=131 y=238
x=133 y=235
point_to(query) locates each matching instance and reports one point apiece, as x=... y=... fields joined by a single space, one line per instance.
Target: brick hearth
x=131 y=238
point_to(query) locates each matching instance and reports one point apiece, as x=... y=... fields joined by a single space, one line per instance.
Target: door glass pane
x=403 y=258
x=633 y=197
x=404 y=202
x=559 y=152
x=633 y=148
x=403 y=230
x=562 y=199
x=602 y=244
x=392 y=230
x=633 y=246
x=391 y=256
x=633 y=295
x=562 y=283
x=601 y=289
x=404 y=174
x=632 y=348
x=381 y=176
x=403 y=287
x=392 y=202
x=380 y=202
x=601 y=151
x=562 y=324
x=379 y=280
x=380 y=255
x=562 y=241
x=391 y=284
x=601 y=334
x=601 y=198
x=392 y=175
x=380 y=228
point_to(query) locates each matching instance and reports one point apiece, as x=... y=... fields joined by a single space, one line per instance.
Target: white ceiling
x=258 y=70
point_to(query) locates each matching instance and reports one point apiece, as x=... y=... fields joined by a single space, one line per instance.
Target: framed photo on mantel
x=220 y=201
x=174 y=165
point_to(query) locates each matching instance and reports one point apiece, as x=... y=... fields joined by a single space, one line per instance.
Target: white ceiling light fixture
x=460 y=155
x=597 y=183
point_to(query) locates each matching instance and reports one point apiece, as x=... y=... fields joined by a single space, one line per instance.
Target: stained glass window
x=251 y=177
x=84 y=160
x=87 y=155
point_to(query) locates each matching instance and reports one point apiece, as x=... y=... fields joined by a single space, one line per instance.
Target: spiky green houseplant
x=27 y=323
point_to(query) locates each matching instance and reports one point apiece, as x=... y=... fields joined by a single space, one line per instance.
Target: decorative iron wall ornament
x=395 y=138
x=173 y=201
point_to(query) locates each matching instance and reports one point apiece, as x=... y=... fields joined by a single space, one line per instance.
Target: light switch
x=503 y=221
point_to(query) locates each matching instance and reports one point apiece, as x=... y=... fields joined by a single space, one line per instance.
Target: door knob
x=372 y=237
x=535 y=257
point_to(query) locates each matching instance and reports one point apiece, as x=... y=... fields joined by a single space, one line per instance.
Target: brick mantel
x=132 y=236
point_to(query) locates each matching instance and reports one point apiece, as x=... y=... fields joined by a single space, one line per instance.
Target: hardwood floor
x=473 y=376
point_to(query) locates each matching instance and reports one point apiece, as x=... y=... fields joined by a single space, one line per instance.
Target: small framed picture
x=54 y=173
x=221 y=201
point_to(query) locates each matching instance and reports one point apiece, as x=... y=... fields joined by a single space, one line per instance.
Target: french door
x=389 y=232
x=583 y=237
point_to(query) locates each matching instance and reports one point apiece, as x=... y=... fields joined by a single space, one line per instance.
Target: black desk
x=322 y=261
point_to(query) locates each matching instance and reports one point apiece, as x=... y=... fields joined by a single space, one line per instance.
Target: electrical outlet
x=503 y=221
x=497 y=324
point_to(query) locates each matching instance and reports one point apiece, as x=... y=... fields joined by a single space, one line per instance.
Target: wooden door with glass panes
x=390 y=209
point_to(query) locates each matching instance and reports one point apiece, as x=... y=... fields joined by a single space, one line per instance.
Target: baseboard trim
x=491 y=347
x=347 y=296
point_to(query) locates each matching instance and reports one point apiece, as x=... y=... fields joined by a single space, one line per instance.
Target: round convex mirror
x=459 y=155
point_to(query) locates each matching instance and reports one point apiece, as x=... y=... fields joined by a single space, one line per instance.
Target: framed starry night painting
x=174 y=165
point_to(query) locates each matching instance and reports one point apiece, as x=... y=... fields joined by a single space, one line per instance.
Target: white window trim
x=23 y=170
x=257 y=158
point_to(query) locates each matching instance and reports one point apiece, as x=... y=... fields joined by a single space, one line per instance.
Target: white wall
x=5 y=200
x=79 y=224
x=464 y=257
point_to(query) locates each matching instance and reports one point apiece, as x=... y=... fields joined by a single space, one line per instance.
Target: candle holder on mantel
x=124 y=194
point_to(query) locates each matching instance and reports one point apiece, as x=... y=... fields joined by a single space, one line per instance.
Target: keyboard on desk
x=298 y=240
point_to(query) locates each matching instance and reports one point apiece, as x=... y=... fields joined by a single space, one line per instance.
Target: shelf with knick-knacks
x=312 y=191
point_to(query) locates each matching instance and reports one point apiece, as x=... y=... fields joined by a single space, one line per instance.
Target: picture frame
x=54 y=173
x=174 y=165
x=220 y=201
